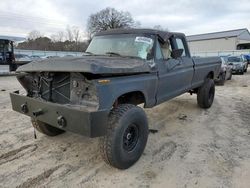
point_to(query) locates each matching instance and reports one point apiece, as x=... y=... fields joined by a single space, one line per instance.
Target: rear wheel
x=46 y=128
x=126 y=136
x=205 y=95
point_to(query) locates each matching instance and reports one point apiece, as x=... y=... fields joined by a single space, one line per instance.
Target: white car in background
x=21 y=59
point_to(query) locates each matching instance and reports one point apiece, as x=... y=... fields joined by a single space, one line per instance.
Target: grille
x=55 y=87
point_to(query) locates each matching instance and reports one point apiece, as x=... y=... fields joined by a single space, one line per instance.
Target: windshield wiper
x=90 y=53
x=113 y=53
x=125 y=56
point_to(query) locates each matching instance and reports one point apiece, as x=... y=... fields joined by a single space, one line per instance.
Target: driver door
x=175 y=75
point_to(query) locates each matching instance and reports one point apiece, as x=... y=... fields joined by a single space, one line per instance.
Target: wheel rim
x=130 y=137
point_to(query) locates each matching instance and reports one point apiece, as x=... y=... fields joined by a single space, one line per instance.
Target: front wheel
x=205 y=95
x=46 y=128
x=126 y=136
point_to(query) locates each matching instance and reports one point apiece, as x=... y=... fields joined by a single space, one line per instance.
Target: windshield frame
x=151 y=55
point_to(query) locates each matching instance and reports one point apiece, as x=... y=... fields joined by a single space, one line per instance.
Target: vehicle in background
x=245 y=61
x=247 y=58
x=69 y=55
x=35 y=57
x=7 y=51
x=52 y=56
x=225 y=71
x=238 y=63
x=49 y=56
x=21 y=59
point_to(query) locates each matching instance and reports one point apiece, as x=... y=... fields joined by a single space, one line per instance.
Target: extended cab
x=96 y=95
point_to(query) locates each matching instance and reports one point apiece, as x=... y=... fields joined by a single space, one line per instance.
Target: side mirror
x=176 y=53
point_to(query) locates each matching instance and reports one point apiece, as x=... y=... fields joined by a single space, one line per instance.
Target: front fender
x=117 y=86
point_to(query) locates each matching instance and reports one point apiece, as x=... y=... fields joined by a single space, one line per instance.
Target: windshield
x=234 y=59
x=127 y=45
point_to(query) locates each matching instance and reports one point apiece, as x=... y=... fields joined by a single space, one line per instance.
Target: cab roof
x=162 y=34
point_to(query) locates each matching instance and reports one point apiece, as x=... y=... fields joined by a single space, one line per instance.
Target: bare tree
x=69 y=34
x=76 y=34
x=159 y=27
x=109 y=18
x=58 y=37
x=34 y=35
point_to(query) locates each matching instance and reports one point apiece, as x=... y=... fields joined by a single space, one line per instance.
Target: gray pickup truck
x=97 y=95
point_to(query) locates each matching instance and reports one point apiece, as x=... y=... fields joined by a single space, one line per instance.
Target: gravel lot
x=192 y=148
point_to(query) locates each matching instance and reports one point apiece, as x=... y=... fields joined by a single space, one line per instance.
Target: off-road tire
x=116 y=149
x=206 y=92
x=222 y=79
x=46 y=128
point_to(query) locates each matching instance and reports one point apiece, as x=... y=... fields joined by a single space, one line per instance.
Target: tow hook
x=61 y=121
x=24 y=108
x=37 y=112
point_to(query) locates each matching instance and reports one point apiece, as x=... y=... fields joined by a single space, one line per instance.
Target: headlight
x=83 y=91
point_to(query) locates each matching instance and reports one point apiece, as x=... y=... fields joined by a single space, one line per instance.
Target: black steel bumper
x=66 y=117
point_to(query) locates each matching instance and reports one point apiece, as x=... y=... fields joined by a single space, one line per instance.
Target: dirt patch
x=187 y=147
x=33 y=182
x=17 y=153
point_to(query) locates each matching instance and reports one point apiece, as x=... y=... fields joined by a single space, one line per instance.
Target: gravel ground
x=192 y=148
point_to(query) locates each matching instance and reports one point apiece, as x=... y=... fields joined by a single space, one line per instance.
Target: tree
x=69 y=34
x=159 y=27
x=34 y=35
x=109 y=18
x=58 y=37
x=76 y=34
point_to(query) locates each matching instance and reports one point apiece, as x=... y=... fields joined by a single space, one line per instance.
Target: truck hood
x=88 y=64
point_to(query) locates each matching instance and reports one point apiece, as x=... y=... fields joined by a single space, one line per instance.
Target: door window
x=180 y=45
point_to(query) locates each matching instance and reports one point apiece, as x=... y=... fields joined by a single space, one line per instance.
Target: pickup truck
x=97 y=95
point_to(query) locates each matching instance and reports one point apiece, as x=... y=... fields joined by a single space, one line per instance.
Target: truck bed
x=202 y=67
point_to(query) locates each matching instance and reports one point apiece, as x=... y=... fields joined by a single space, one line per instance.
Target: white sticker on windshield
x=144 y=40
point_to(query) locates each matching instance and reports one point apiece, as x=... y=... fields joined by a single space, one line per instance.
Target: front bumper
x=76 y=120
x=240 y=70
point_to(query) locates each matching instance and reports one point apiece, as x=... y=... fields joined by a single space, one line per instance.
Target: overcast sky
x=19 y=17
